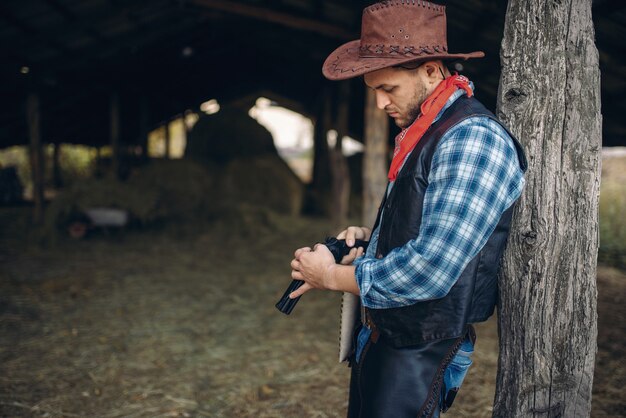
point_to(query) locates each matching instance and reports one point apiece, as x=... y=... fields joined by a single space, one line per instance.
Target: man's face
x=400 y=92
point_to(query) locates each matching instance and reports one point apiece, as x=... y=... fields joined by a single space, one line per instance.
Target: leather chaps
x=390 y=382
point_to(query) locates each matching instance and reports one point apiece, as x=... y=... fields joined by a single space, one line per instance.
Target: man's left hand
x=315 y=267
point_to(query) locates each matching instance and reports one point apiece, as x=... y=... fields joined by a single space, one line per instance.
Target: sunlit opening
x=292 y=133
x=349 y=146
x=178 y=129
x=210 y=107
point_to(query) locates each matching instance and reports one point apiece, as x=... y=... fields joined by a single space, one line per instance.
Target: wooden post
x=185 y=133
x=144 y=126
x=98 y=171
x=549 y=97
x=56 y=166
x=168 y=139
x=320 y=183
x=33 y=119
x=115 y=134
x=340 y=172
x=375 y=164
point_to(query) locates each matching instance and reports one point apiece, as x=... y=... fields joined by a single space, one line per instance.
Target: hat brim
x=344 y=62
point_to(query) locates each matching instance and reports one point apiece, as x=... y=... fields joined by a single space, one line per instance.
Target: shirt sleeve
x=475 y=176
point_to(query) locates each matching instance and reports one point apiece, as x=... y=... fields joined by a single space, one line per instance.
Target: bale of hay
x=183 y=187
x=239 y=194
x=229 y=134
x=162 y=190
x=265 y=181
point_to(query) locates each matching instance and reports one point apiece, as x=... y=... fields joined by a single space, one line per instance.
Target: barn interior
x=173 y=55
x=107 y=74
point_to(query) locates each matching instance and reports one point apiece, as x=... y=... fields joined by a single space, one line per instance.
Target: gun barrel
x=286 y=305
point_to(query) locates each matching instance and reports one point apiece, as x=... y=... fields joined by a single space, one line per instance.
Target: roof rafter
x=71 y=17
x=280 y=18
x=30 y=32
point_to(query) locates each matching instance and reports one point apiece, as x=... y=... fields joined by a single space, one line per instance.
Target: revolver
x=339 y=249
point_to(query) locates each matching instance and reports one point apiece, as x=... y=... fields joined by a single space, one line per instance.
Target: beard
x=413 y=107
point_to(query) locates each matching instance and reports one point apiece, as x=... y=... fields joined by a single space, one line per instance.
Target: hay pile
x=241 y=193
x=159 y=191
x=229 y=134
x=231 y=176
x=264 y=181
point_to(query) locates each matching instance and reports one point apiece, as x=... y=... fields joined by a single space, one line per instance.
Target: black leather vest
x=473 y=297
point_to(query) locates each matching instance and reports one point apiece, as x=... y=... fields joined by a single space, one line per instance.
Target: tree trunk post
x=549 y=97
x=144 y=126
x=340 y=172
x=375 y=158
x=320 y=183
x=115 y=134
x=168 y=139
x=98 y=169
x=56 y=167
x=185 y=133
x=33 y=119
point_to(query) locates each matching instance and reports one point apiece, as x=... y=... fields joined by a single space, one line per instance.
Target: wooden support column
x=320 y=184
x=375 y=164
x=338 y=162
x=33 y=119
x=168 y=140
x=115 y=134
x=98 y=172
x=144 y=126
x=56 y=166
x=185 y=128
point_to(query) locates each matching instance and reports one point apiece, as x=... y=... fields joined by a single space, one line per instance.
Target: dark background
x=79 y=52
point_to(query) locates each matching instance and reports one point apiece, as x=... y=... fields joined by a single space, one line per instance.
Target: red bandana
x=409 y=137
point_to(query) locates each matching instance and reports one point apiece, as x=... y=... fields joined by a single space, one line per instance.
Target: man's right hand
x=351 y=234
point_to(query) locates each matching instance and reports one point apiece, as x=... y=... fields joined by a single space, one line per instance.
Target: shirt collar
x=451 y=100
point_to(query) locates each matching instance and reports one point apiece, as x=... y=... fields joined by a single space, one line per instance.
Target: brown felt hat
x=392 y=33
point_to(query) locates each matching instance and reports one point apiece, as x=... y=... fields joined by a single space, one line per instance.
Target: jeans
x=455 y=373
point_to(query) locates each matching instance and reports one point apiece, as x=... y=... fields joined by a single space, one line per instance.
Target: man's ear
x=431 y=68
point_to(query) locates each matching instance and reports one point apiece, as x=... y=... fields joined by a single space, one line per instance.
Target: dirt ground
x=180 y=322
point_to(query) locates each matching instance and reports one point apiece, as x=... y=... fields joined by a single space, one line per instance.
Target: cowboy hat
x=394 y=32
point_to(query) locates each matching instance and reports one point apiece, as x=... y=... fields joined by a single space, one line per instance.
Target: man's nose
x=382 y=100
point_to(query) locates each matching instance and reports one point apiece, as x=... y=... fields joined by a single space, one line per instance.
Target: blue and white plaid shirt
x=475 y=176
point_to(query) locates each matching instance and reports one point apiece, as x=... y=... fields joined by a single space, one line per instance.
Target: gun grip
x=338 y=248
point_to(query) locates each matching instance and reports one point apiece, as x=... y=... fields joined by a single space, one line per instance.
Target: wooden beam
x=144 y=125
x=98 y=173
x=115 y=134
x=318 y=203
x=339 y=171
x=280 y=18
x=375 y=158
x=33 y=119
x=168 y=139
x=57 y=180
x=32 y=33
x=75 y=21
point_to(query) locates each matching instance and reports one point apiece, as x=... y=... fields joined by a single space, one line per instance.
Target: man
x=430 y=270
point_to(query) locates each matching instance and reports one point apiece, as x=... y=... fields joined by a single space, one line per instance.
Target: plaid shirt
x=474 y=177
